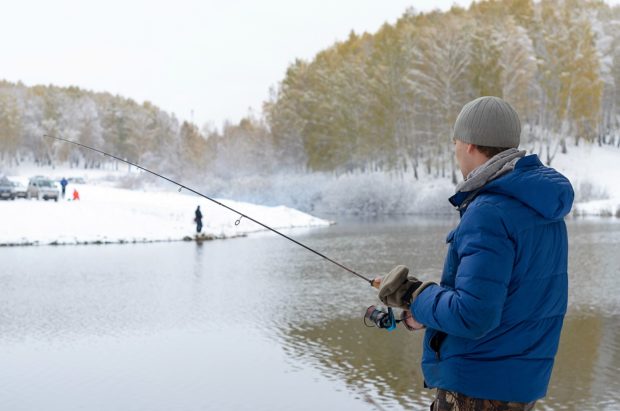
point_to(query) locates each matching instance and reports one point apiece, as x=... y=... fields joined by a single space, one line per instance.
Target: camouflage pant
x=453 y=401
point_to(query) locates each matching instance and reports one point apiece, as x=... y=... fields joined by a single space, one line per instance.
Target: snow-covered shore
x=106 y=214
x=594 y=172
x=114 y=215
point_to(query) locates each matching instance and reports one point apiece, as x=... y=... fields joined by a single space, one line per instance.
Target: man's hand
x=410 y=323
x=397 y=289
x=376 y=282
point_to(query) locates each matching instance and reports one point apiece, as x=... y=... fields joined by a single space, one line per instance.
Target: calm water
x=258 y=323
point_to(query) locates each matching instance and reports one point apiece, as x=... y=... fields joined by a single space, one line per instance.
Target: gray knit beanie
x=488 y=121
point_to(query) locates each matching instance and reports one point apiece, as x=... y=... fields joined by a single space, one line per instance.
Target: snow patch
x=113 y=215
x=594 y=173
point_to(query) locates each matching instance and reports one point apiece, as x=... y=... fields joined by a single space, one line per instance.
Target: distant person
x=198 y=220
x=76 y=195
x=63 y=184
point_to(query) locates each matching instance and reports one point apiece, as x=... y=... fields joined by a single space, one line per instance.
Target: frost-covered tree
x=285 y=115
x=568 y=74
x=10 y=125
x=440 y=59
x=517 y=63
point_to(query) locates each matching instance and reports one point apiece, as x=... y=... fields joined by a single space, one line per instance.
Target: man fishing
x=493 y=323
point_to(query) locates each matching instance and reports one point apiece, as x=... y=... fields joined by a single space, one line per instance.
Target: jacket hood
x=535 y=185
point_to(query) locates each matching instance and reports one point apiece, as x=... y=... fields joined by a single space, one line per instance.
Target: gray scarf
x=494 y=167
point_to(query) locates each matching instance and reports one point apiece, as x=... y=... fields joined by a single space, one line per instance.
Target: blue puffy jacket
x=493 y=325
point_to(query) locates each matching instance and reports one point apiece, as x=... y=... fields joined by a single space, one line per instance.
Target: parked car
x=21 y=191
x=42 y=188
x=7 y=192
x=76 y=180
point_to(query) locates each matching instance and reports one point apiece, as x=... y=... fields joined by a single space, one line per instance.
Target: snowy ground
x=112 y=215
x=595 y=174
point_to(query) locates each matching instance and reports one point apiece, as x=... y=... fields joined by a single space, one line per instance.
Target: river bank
x=106 y=215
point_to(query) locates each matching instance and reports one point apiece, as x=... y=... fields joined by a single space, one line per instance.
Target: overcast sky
x=214 y=59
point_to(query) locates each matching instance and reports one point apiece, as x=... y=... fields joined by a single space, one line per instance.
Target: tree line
x=141 y=133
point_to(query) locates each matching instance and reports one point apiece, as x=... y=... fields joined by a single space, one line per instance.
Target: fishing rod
x=241 y=215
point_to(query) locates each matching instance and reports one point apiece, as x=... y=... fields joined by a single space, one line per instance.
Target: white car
x=43 y=189
x=21 y=191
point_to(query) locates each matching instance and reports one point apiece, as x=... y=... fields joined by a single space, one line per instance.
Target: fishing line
x=241 y=215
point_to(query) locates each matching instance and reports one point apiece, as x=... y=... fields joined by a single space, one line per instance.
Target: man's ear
x=471 y=148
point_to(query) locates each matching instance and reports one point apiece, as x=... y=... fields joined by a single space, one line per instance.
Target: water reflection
x=385 y=366
x=380 y=365
x=585 y=373
x=594 y=266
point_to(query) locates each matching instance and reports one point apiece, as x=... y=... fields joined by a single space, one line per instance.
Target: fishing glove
x=398 y=290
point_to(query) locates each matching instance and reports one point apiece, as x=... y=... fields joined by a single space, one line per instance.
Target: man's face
x=460 y=152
